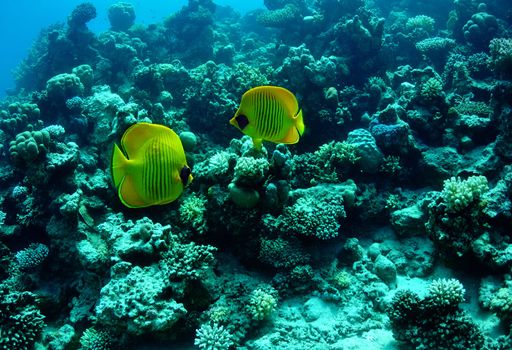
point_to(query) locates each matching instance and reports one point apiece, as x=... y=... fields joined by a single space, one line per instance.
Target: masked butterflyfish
x=150 y=168
x=269 y=113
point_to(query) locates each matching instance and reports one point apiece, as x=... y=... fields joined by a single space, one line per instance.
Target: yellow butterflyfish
x=269 y=113
x=150 y=168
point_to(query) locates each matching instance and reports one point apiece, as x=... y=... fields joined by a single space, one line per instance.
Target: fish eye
x=242 y=121
x=184 y=175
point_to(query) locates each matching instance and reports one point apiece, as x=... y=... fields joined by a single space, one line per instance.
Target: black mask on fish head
x=185 y=175
x=242 y=121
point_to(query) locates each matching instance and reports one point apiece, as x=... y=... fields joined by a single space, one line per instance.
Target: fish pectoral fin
x=293 y=136
x=128 y=194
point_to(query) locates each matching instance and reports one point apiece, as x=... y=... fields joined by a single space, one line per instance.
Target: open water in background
x=22 y=20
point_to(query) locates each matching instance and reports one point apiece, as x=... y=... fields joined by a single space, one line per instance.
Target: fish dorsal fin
x=287 y=98
x=138 y=134
x=129 y=195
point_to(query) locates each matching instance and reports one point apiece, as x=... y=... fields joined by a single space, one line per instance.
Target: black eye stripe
x=242 y=121
x=184 y=174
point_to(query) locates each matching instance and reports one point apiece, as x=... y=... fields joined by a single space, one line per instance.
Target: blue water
x=22 y=20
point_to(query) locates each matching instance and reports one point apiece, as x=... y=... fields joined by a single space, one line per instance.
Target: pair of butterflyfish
x=150 y=167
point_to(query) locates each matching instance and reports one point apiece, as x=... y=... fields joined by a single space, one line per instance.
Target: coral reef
x=378 y=229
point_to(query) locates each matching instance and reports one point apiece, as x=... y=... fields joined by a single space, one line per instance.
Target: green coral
x=29 y=145
x=282 y=17
x=250 y=171
x=420 y=22
x=282 y=253
x=445 y=293
x=188 y=261
x=432 y=89
x=192 y=213
x=92 y=339
x=459 y=194
x=18 y=115
x=435 y=321
x=213 y=336
x=64 y=86
x=501 y=304
x=135 y=300
x=501 y=55
x=262 y=303
x=316 y=212
x=21 y=322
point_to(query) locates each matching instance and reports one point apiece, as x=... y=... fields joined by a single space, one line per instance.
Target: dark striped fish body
x=269 y=113
x=153 y=169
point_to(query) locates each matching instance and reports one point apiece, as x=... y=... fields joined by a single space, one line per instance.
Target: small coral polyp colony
x=387 y=224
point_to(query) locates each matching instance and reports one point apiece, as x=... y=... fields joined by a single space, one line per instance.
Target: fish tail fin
x=118 y=165
x=299 y=122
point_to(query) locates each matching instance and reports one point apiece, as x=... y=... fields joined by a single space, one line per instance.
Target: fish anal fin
x=293 y=136
x=129 y=195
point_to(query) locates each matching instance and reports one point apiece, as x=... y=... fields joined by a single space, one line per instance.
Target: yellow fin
x=138 y=134
x=299 y=123
x=129 y=195
x=118 y=166
x=293 y=136
x=286 y=98
x=257 y=143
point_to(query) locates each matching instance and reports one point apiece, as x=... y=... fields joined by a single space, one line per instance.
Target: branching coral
x=458 y=194
x=212 y=336
x=21 y=322
x=436 y=321
x=262 y=303
x=501 y=55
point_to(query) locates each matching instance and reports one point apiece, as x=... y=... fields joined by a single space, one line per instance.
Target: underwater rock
x=408 y=221
x=367 y=149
